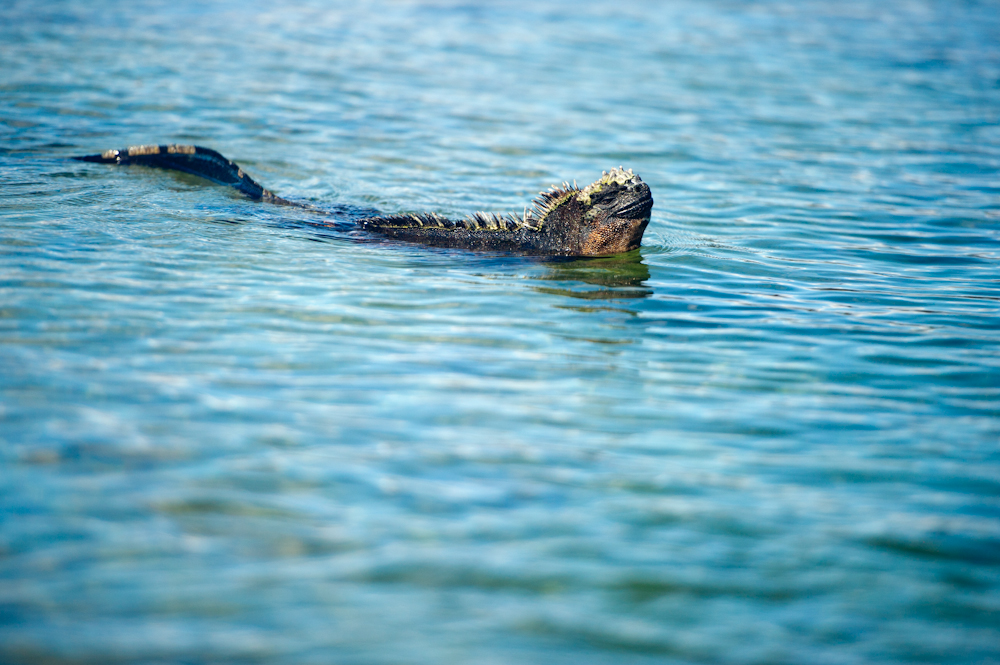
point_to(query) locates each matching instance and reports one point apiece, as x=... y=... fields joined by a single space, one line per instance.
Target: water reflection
x=622 y=276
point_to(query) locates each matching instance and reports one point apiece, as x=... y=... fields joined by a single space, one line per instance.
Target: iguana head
x=607 y=216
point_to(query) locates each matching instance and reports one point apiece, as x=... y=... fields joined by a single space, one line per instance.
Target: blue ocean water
x=770 y=435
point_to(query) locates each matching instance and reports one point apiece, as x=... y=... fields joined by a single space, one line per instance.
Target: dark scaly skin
x=607 y=217
x=193 y=159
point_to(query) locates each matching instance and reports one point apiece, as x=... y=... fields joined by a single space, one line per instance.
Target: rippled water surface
x=229 y=434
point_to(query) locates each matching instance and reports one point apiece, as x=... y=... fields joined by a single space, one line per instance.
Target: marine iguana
x=606 y=217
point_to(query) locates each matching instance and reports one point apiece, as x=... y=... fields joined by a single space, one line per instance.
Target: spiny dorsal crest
x=416 y=220
x=548 y=201
x=532 y=218
x=479 y=221
x=494 y=222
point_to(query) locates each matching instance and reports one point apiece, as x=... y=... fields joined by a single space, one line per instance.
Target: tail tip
x=106 y=157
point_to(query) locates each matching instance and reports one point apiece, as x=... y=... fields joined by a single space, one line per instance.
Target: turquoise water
x=230 y=434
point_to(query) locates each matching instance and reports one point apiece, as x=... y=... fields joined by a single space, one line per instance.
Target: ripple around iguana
x=606 y=217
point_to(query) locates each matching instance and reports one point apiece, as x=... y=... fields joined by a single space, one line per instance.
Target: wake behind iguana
x=606 y=217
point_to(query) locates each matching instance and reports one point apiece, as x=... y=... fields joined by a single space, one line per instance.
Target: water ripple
x=234 y=432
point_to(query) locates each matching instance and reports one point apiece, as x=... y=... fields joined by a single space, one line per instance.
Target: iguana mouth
x=636 y=209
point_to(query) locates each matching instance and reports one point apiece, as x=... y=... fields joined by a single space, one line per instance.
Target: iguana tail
x=192 y=159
